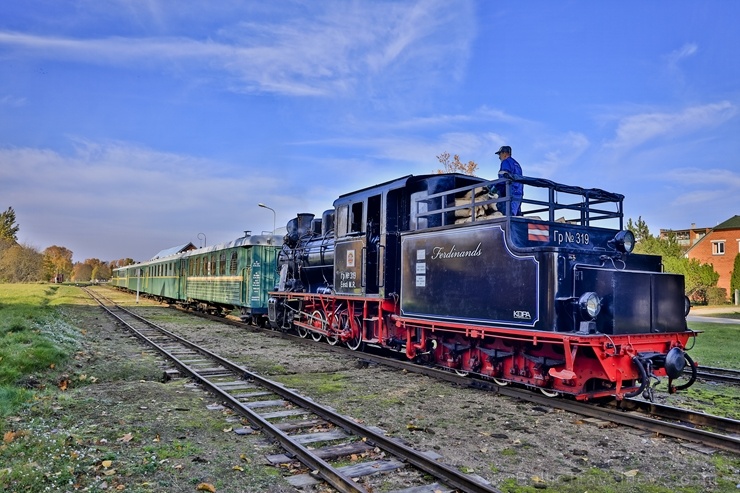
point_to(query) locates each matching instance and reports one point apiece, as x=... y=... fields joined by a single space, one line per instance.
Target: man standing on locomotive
x=510 y=166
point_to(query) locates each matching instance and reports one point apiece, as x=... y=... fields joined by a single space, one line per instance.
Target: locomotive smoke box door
x=348 y=271
x=468 y=274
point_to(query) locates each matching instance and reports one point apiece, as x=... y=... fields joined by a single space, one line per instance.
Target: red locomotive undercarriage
x=584 y=366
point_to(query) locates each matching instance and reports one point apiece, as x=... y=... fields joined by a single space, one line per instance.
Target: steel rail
x=713 y=374
x=649 y=418
x=325 y=470
x=451 y=476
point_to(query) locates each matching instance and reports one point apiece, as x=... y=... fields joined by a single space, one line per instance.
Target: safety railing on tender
x=543 y=200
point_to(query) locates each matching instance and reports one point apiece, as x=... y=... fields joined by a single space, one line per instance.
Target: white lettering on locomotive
x=522 y=314
x=577 y=238
x=440 y=253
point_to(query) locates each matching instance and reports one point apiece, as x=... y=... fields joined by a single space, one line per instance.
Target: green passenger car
x=235 y=275
x=216 y=279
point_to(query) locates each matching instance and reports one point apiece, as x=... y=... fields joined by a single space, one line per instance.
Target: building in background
x=686 y=237
x=717 y=246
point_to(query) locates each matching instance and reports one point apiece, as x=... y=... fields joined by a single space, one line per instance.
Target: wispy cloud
x=640 y=128
x=12 y=101
x=686 y=51
x=700 y=187
x=327 y=48
x=155 y=194
x=701 y=177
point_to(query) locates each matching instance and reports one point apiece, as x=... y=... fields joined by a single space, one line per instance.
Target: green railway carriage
x=235 y=275
x=158 y=278
x=215 y=279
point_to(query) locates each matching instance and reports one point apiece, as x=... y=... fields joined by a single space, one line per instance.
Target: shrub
x=716 y=296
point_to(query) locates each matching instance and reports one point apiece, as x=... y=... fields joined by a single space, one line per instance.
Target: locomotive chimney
x=304 y=222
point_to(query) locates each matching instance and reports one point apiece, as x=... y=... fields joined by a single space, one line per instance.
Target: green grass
x=733 y=315
x=717 y=345
x=34 y=340
x=319 y=383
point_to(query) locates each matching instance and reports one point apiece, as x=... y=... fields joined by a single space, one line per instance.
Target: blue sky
x=127 y=127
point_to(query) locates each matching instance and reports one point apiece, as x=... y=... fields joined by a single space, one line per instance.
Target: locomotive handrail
x=588 y=209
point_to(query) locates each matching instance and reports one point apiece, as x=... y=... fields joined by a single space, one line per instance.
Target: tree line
x=24 y=263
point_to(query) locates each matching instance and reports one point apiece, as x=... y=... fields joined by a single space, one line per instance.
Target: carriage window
x=232 y=269
x=342 y=216
x=222 y=262
x=356 y=224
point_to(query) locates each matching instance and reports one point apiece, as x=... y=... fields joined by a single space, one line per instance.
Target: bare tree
x=455 y=165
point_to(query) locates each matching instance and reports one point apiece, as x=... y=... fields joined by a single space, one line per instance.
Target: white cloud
x=640 y=128
x=12 y=101
x=686 y=51
x=143 y=199
x=326 y=48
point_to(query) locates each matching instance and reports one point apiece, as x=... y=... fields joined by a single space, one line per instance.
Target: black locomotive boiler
x=434 y=267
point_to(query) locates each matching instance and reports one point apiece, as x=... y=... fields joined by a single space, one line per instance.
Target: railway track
x=308 y=432
x=700 y=428
x=724 y=375
x=704 y=429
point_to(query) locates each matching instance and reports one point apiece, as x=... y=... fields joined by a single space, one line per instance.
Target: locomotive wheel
x=333 y=328
x=318 y=320
x=332 y=339
x=355 y=343
x=549 y=393
x=301 y=331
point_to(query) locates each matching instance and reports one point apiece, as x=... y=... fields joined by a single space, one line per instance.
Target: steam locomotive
x=436 y=267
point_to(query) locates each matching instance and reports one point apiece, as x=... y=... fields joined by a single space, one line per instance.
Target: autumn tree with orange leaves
x=57 y=263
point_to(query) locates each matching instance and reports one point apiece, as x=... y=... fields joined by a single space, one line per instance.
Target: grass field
x=35 y=339
x=717 y=345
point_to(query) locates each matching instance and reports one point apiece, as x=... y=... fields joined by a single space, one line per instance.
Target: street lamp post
x=273 y=216
x=204 y=238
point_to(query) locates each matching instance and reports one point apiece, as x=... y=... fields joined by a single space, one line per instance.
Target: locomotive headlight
x=686 y=306
x=590 y=305
x=624 y=241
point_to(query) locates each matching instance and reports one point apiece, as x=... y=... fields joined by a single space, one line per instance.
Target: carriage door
x=182 y=278
x=372 y=255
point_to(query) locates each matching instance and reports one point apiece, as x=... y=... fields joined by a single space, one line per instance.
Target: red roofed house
x=719 y=247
